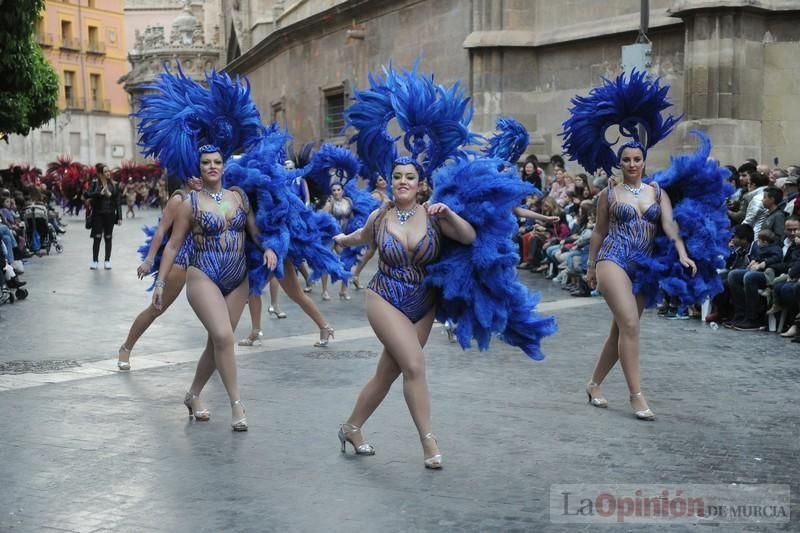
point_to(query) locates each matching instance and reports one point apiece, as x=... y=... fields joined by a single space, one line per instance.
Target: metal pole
x=644 y=22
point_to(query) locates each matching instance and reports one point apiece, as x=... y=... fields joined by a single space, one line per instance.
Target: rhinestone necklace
x=403 y=216
x=635 y=191
x=217 y=196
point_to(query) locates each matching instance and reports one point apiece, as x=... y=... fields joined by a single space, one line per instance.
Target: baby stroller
x=40 y=233
x=12 y=290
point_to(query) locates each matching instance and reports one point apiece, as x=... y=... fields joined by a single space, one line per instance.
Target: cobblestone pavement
x=85 y=448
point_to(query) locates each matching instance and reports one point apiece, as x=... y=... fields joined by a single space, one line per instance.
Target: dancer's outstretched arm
x=179 y=230
x=453 y=226
x=533 y=215
x=671 y=230
x=270 y=257
x=360 y=236
x=167 y=219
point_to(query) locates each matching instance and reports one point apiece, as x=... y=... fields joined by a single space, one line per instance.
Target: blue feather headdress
x=435 y=121
x=626 y=103
x=510 y=142
x=180 y=115
x=332 y=163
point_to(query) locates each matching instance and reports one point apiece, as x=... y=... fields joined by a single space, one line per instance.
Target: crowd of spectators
x=761 y=273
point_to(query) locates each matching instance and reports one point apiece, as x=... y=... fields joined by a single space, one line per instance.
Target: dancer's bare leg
x=219 y=315
x=291 y=286
x=324 y=287
x=615 y=286
x=254 y=303
x=305 y=273
x=174 y=285
x=274 y=287
x=364 y=260
x=403 y=342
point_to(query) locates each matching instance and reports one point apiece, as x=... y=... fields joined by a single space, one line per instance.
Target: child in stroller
x=40 y=233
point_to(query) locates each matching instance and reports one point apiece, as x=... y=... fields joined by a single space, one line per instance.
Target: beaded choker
x=217 y=196
x=635 y=191
x=402 y=216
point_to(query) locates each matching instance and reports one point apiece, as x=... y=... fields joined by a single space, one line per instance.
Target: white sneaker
x=93 y=265
x=19 y=268
x=107 y=265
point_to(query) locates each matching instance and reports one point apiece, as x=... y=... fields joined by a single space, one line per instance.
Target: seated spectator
x=745 y=284
x=774 y=218
x=738 y=259
x=786 y=290
x=789 y=204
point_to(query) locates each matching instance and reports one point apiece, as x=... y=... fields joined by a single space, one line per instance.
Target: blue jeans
x=7 y=237
x=744 y=286
x=787 y=295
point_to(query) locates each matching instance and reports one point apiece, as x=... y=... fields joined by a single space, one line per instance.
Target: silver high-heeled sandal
x=325 y=336
x=325 y=296
x=434 y=462
x=123 y=365
x=647 y=414
x=362 y=449
x=597 y=401
x=278 y=314
x=241 y=424
x=250 y=341
x=203 y=415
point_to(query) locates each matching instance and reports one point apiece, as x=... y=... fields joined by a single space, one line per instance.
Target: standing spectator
x=104 y=196
x=788 y=205
x=756 y=213
x=561 y=187
x=130 y=199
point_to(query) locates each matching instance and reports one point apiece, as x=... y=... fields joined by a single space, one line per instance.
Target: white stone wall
x=89 y=138
x=781 y=123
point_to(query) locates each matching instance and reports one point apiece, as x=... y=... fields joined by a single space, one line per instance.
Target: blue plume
x=179 y=115
x=624 y=103
x=363 y=205
x=479 y=287
x=341 y=160
x=287 y=226
x=698 y=188
x=435 y=120
x=144 y=249
x=510 y=142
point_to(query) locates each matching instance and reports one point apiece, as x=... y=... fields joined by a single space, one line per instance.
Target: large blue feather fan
x=625 y=103
x=480 y=291
x=435 y=120
x=510 y=141
x=179 y=115
x=698 y=188
x=331 y=157
x=286 y=224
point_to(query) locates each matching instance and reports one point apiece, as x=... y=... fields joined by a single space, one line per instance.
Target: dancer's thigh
x=615 y=286
x=235 y=302
x=209 y=305
x=402 y=339
x=175 y=282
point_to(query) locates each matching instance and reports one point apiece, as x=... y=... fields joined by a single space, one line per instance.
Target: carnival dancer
x=305 y=235
x=629 y=256
x=179 y=121
x=426 y=262
x=152 y=250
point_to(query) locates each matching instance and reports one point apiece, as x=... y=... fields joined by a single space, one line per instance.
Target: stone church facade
x=733 y=65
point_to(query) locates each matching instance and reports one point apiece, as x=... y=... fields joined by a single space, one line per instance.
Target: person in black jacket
x=745 y=284
x=106 y=203
x=787 y=291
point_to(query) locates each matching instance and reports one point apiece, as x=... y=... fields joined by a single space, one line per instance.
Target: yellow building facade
x=84 y=41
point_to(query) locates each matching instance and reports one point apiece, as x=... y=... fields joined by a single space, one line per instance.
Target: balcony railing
x=74 y=102
x=95 y=47
x=44 y=39
x=68 y=43
x=101 y=106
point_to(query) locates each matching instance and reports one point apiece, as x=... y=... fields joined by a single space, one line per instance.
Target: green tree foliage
x=28 y=84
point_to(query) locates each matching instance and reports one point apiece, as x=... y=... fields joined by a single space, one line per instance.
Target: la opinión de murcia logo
x=692 y=503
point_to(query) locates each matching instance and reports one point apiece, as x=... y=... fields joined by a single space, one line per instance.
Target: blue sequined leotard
x=400 y=279
x=185 y=253
x=630 y=235
x=219 y=244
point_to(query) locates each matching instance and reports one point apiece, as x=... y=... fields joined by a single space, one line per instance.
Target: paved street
x=85 y=448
